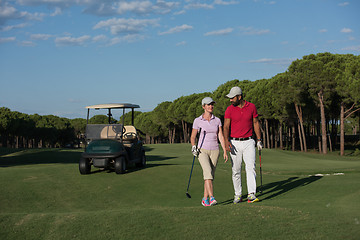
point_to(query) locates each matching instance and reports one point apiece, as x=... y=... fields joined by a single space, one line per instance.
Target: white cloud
x=71 y=41
x=127 y=26
x=301 y=43
x=7 y=39
x=99 y=38
x=352 y=48
x=164 y=7
x=40 y=36
x=11 y=27
x=57 y=11
x=221 y=2
x=140 y=7
x=177 y=29
x=180 y=12
x=323 y=30
x=346 y=30
x=280 y=61
x=253 y=31
x=198 y=6
x=181 y=43
x=55 y=3
x=8 y=12
x=128 y=38
x=27 y=44
x=219 y=32
x=343 y=4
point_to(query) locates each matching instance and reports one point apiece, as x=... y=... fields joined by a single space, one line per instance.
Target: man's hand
x=227 y=146
x=259 y=145
x=194 y=150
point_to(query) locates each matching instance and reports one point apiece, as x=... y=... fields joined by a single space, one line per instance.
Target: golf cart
x=112 y=146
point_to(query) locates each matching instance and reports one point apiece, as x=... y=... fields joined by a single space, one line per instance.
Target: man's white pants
x=243 y=150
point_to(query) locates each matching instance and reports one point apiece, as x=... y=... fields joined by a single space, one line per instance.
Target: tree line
x=311 y=105
x=305 y=107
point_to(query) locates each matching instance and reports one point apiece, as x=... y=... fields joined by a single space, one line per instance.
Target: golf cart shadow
x=152 y=158
x=275 y=189
x=132 y=169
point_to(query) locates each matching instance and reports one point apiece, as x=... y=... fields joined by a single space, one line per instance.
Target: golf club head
x=188 y=195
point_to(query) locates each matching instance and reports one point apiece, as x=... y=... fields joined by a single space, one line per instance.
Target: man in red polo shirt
x=241 y=118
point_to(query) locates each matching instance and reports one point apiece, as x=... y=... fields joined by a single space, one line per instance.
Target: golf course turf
x=305 y=196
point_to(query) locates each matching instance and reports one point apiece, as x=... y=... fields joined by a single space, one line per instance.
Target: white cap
x=235 y=91
x=207 y=100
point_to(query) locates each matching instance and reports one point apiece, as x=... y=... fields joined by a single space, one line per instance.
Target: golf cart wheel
x=84 y=166
x=143 y=161
x=120 y=165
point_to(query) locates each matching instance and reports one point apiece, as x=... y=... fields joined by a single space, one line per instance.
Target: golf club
x=192 y=166
x=260 y=172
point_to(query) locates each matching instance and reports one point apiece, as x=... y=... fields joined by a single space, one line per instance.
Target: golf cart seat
x=130 y=134
x=112 y=131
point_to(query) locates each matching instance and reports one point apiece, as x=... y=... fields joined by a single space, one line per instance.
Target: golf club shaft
x=260 y=171
x=192 y=166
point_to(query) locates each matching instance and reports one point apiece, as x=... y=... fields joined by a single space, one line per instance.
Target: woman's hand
x=226 y=156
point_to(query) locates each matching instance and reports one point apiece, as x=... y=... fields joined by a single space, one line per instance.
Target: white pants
x=243 y=150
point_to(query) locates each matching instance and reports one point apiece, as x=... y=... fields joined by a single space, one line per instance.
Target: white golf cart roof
x=113 y=105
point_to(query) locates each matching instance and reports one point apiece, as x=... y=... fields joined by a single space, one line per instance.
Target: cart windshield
x=104 y=131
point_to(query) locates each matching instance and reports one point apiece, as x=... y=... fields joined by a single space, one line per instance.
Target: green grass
x=43 y=196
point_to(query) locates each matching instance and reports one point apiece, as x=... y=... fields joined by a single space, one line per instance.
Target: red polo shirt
x=241 y=120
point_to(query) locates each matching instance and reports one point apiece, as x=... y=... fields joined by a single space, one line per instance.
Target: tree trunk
x=323 y=122
x=276 y=135
x=288 y=135
x=170 y=135
x=300 y=138
x=330 y=143
x=281 y=136
x=302 y=132
x=318 y=135
x=263 y=136
x=293 y=138
x=17 y=142
x=267 y=133
x=173 y=135
x=313 y=132
x=342 y=126
x=183 y=129
x=271 y=137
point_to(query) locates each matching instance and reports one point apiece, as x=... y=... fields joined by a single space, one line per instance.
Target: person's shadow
x=275 y=189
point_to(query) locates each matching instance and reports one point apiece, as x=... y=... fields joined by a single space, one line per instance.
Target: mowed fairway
x=43 y=196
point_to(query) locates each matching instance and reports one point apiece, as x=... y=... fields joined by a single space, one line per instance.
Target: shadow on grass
x=272 y=190
x=39 y=156
x=6 y=151
x=277 y=188
x=49 y=156
x=130 y=169
x=147 y=148
x=152 y=158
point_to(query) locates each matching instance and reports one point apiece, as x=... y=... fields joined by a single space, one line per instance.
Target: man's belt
x=241 y=139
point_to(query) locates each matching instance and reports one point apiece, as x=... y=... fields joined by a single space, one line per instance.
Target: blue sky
x=58 y=56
